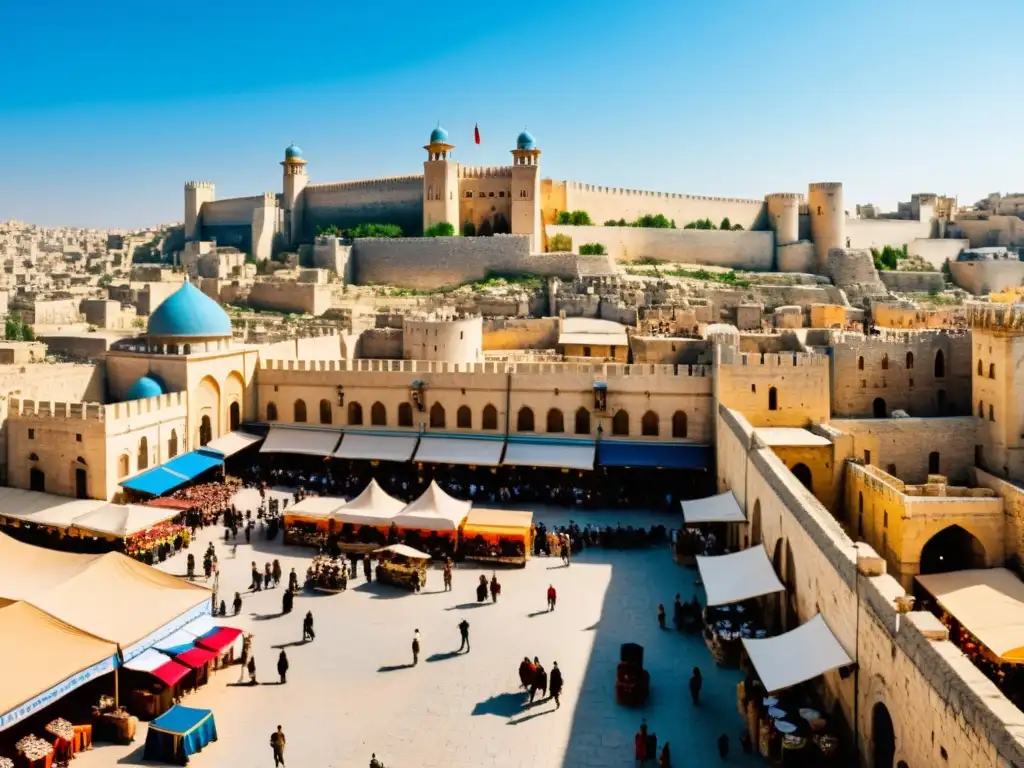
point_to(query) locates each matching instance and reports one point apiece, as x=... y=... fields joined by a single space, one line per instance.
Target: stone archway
x=233 y=398
x=207 y=408
x=952 y=549
x=803 y=473
x=878 y=408
x=883 y=737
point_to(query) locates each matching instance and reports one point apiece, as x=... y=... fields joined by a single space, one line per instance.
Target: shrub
x=469 y=229
x=441 y=229
x=654 y=222
x=701 y=224
x=592 y=249
x=574 y=218
x=560 y=242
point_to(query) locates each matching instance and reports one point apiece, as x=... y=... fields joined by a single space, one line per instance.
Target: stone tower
x=784 y=216
x=294 y=182
x=526 y=218
x=828 y=219
x=440 y=183
x=196 y=193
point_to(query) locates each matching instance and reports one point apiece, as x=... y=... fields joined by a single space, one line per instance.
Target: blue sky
x=107 y=108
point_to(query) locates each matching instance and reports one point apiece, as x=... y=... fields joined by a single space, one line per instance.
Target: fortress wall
x=995 y=230
x=796 y=257
x=604 y=203
x=935 y=252
x=739 y=250
x=877 y=233
x=305 y=298
x=396 y=200
x=235 y=211
x=435 y=262
x=236 y=235
x=912 y=282
x=981 y=277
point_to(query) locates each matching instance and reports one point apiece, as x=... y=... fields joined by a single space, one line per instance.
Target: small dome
x=292 y=152
x=190 y=313
x=525 y=141
x=147 y=386
x=439 y=136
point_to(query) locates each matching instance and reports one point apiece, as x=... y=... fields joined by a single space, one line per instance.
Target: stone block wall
x=380 y=344
x=878 y=233
x=396 y=200
x=854 y=272
x=912 y=282
x=520 y=333
x=935 y=251
x=302 y=298
x=235 y=211
x=981 y=277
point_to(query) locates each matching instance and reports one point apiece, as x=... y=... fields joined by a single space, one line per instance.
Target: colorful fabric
x=179 y=733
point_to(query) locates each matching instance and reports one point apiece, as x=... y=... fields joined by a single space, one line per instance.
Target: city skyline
x=695 y=100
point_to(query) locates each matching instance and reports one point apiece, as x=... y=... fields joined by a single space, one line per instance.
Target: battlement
x=364 y=183
x=798 y=196
x=484 y=172
x=270 y=199
x=146 y=405
x=47 y=409
x=1008 y=318
x=736 y=359
x=826 y=186
x=198 y=185
x=581 y=187
x=601 y=370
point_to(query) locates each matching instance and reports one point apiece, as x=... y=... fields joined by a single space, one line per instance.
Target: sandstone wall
x=232 y=212
x=854 y=272
x=877 y=233
x=981 y=277
x=665 y=350
x=795 y=257
x=935 y=252
x=380 y=344
x=307 y=298
x=912 y=282
x=428 y=263
x=1013 y=506
x=734 y=249
x=396 y=200
x=521 y=333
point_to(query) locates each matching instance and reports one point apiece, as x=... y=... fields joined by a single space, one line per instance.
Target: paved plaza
x=353 y=690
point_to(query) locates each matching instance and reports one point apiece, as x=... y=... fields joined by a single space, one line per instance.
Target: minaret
x=526 y=190
x=295 y=180
x=440 y=183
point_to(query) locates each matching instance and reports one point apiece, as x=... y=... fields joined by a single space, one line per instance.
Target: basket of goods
x=33 y=748
x=62 y=728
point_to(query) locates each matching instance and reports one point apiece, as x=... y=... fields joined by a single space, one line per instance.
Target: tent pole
x=117 y=699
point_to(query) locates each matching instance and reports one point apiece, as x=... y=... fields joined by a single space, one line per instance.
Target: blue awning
x=177 y=471
x=612 y=453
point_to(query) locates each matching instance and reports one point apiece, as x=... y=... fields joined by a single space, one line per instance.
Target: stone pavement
x=352 y=691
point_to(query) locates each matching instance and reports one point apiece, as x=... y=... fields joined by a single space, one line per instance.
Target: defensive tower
x=440 y=182
x=828 y=219
x=196 y=193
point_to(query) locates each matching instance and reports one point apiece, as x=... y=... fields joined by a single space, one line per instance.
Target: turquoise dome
x=292 y=151
x=188 y=312
x=147 y=386
x=439 y=136
x=525 y=141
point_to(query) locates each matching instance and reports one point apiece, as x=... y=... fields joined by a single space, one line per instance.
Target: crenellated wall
x=800 y=382
x=397 y=200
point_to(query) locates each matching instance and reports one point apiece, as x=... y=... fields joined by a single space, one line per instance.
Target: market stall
x=158 y=682
x=497 y=536
x=146 y=533
x=362 y=525
x=402 y=566
x=328 y=574
x=308 y=522
x=178 y=734
x=432 y=521
x=708 y=524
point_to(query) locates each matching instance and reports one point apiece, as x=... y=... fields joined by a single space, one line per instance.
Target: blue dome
x=292 y=151
x=439 y=136
x=525 y=141
x=189 y=312
x=148 y=386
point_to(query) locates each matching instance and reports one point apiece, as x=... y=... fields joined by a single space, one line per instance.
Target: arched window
x=940 y=365
x=679 y=424
x=143 y=460
x=981 y=409
x=582 y=421
x=205 y=430
x=404 y=415
x=378 y=415
x=981 y=367
x=355 y=415
x=885 y=362
x=271 y=412
x=991 y=370
x=326 y=412
x=122 y=465
x=490 y=417
x=464 y=417
x=172 y=444
x=649 y=424
x=437 y=416
x=234 y=415
x=620 y=423
x=300 y=412
x=773 y=399
x=556 y=421
x=910 y=361
x=524 y=421
x=860 y=363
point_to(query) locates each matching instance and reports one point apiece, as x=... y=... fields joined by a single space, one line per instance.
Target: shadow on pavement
x=465 y=606
x=541 y=612
x=444 y=656
x=291 y=644
x=543 y=712
x=503 y=705
x=395 y=667
x=381 y=591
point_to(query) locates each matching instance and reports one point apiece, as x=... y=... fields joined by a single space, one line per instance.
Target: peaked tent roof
x=403 y=550
x=373 y=506
x=434 y=510
x=315 y=506
x=722 y=508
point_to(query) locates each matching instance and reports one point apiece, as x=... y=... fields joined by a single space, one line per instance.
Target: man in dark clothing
x=282 y=666
x=695 y=683
x=723 y=746
x=556 y=683
x=277 y=742
x=237 y=605
x=257 y=579
x=307 y=627
x=367 y=569
x=540 y=681
x=415 y=647
x=464 y=631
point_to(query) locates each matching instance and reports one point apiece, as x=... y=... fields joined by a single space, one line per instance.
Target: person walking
x=640 y=745
x=293 y=581
x=495 y=588
x=415 y=582
x=191 y=567
x=282 y=666
x=661 y=615
x=276 y=572
x=367 y=569
x=525 y=673
x=552 y=597
x=539 y=677
x=696 y=681
x=307 y=627
x=257 y=580
x=665 y=761
x=415 y=647
x=277 y=742
x=374 y=762
x=464 y=631
x=448 y=575
x=267 y=575
x=251 y=667
x=556 y=683
x=237 y=604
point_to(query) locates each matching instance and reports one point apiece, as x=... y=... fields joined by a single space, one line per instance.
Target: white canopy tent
x=233 y=442
x=403 y=550
x=475 y=451
x=434 y=510
x=316 y=506
x=373 y=506
x=377 y=447
x=309 y=442
x=121 y=520
x=795 y=656
x=738 y=576
x=722 y=508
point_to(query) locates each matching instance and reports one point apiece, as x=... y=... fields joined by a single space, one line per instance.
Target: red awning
x=170 y=673
x=196 y=657
x=219 y=639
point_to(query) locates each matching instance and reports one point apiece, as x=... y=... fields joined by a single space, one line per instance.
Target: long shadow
x=523 y=719
x=266 y=616
x=292 y=644
x=503 y=705
x=395 y=667
x=134 y=758
x=273 y=683
x=538 y=613
x=557 y=567
x=443 y=656
x=380 y=591
x=466 y=606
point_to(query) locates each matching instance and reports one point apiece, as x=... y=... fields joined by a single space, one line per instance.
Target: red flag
x=476 y=133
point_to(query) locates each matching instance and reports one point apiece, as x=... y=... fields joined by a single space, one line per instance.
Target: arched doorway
x=234 y=416
x=952 y=549
x=803 y=473
x=205 y=431
x=437 y=416
x=883 y=737
x=940 y=365
x=81 y=483
x=879 y=409
x=36 y=480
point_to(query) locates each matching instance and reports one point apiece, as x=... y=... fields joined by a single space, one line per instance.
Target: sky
x=107 y=108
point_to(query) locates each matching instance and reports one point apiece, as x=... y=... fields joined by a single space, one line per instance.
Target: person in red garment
x=552 y=596
x=640 y=745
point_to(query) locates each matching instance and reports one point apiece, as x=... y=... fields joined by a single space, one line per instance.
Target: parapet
x=45 y=409
x=601 y=370
x=146 y=405
x=198 y=185
x=825 y=186
x=581 y=187
x=484 y=172
x=996 y=317
x=798 y=196
x=363 y=183
x=730 y=356
x=270 y=199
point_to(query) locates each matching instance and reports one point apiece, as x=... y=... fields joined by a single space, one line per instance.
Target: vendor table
x=179 y=733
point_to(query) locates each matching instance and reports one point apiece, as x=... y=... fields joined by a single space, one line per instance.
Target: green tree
x=737 y=227
x=27 y=334
x=657 y=221
x=469 y=229
x=611 y=223
x=373 y=230
x=592 y=249
x=13 y=328
x=564 y=217
x=581 y=219
x=331 y=231
x=441 y=229
x=701 y=224
x=559 y=242
x=726 y=224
